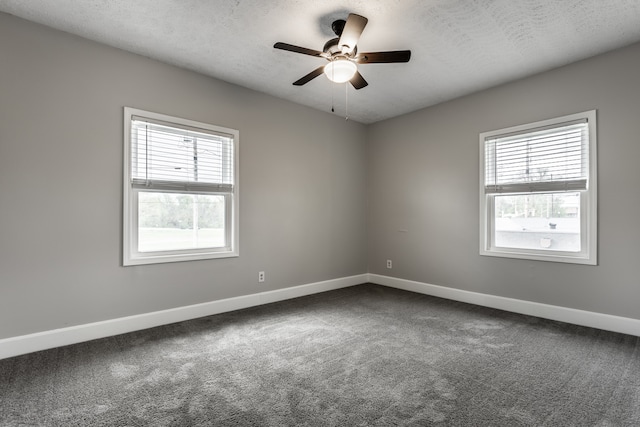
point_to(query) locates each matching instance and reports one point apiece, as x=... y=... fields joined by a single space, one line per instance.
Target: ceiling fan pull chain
x=332 y=93
x=346 y=101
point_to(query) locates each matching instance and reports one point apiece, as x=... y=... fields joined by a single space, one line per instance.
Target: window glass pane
x=548 y=222
x=177 y=221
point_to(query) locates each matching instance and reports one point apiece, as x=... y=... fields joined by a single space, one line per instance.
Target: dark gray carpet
x=361 y=356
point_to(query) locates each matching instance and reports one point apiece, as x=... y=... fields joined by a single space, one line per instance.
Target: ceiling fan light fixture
x=340 y=70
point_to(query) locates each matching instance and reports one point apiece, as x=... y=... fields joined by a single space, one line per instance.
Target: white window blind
x=547 y=159
x=173 y=156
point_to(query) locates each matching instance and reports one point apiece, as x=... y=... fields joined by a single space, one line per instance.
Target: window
x=180 y=189
x=538 y=190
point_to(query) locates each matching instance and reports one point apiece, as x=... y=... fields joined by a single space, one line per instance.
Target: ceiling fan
x=342 y=54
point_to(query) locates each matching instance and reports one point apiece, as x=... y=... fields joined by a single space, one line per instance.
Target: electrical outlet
x=389 y=264
x=261 y=276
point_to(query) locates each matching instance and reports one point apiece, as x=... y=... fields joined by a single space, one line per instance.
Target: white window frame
x=588 y=199
x=131 y=255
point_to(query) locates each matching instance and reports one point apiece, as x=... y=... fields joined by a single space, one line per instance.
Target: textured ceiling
x=458 y=46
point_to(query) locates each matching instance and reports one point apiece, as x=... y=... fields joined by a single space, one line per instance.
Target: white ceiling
x=458 y=46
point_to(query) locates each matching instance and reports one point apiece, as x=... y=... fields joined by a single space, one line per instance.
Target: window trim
x=130 y=255
x=588 y=200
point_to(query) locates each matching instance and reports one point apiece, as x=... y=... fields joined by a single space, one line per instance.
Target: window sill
x=551 y=256
x=161 y=259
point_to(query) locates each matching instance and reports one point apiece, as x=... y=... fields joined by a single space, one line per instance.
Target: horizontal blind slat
x=538 y=187
x=184 y=186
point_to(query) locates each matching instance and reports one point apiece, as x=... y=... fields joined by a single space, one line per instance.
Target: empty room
x=338 y=213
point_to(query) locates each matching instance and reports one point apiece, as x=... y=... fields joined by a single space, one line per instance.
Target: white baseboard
x=15 y=346
x=591 y=319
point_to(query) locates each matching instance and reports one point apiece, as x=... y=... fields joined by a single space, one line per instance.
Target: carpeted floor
x=361 y=356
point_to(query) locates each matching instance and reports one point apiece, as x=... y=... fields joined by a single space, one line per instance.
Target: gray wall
x=302 y=193
x=423 y=178
x=304 y=202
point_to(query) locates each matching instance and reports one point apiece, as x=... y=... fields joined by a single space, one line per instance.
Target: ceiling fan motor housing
x=332 y=48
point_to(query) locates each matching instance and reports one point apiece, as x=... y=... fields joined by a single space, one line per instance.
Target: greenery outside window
x=180 y=189
x=538 y=190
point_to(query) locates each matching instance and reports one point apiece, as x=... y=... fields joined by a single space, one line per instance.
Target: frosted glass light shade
x=340 y=70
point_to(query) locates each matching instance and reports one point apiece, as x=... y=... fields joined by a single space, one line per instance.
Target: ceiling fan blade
x=351 y=32
x=298 y=49
x=383 y=57
x=357 y=81
x=312 y=75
